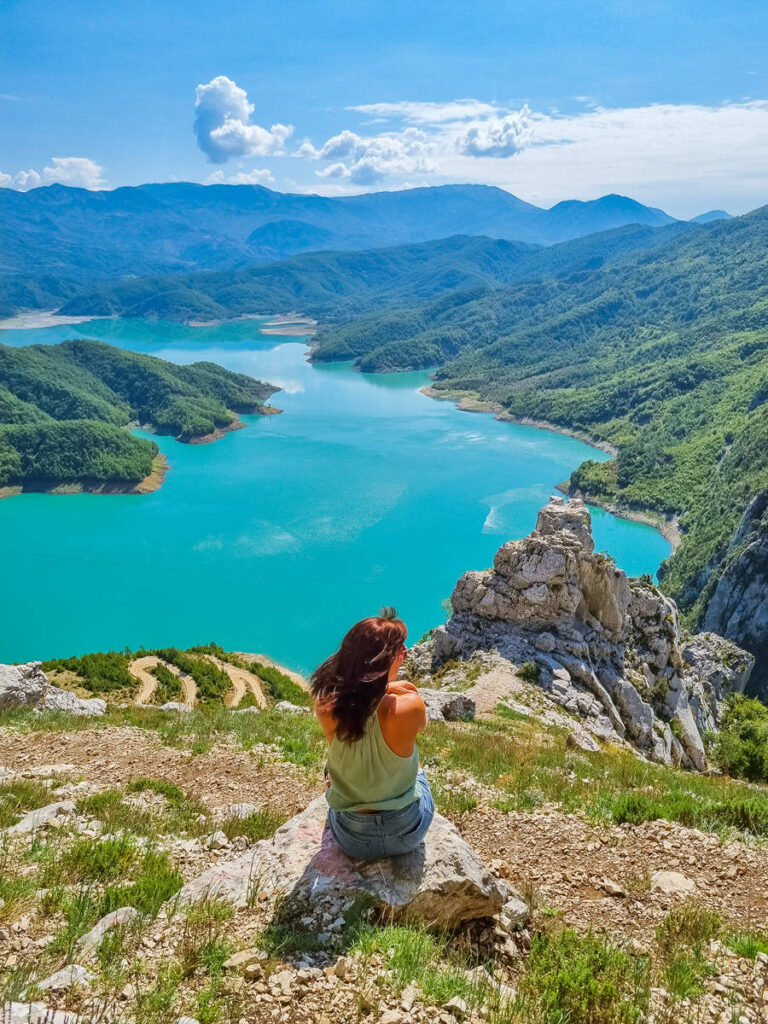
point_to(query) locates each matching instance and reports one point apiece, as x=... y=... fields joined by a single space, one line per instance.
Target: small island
x=66 y=413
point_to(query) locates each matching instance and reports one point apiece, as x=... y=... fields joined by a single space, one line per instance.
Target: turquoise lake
x=281 y=535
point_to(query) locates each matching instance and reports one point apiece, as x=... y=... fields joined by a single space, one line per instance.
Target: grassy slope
x=63 y=410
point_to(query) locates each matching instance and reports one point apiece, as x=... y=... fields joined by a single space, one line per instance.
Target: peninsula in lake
x=65 y=410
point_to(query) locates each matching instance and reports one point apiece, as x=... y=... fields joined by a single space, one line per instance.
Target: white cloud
x=78 y=171
x=370 y=159
x=684 y=157
x=497 y=136
x=223 y=124
x=258 y=176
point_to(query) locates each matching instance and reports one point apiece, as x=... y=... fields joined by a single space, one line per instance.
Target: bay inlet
x=277 y=537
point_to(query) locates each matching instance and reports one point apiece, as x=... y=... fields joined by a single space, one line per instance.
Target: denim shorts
x=384 y=833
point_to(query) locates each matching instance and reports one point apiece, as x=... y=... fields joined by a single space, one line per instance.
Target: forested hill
x=340 y=285
x=57 y=240
x=663 y=353
x=64 y=409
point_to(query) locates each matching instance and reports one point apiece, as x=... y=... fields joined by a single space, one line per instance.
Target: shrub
x=582 y=980
x=530 y=672
x=741 y=746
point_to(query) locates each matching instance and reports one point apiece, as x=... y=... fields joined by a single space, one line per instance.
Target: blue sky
x=664 y=101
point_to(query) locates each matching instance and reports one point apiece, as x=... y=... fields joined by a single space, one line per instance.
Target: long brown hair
x=354 y=679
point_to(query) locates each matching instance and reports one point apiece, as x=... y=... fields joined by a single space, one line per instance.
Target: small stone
x=283 y=980
x=514 y=913
x=458 y=1006
x=187 y=1020
x=580 y=739
x=613 y=888
x=218 y=841
x=671 y=883
x=392 y=1017
x=66 y=978
x=243 y=958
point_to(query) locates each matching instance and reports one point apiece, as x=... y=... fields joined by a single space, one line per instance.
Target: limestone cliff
x=738 y=607
x=606 y=648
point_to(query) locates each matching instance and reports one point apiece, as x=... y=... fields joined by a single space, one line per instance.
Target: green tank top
x=367 y=775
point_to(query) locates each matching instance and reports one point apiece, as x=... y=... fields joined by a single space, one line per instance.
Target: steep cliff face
x=606 y=648
x=738 y=608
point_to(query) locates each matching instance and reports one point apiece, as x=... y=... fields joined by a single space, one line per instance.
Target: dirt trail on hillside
x=295 y=676
x=139 y=669
x=117 y=754
x=242 y=682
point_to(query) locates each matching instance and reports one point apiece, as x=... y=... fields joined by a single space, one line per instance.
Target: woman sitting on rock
x=379 y=797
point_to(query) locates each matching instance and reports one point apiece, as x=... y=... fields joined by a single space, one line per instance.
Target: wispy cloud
x=684 y=155
x=223 y=125
x=427 y=113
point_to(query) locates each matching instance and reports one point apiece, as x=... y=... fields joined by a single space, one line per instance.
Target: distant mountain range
x=56 y=237
x=340 y=285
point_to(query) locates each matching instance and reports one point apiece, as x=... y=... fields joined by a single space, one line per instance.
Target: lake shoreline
x=150 y=483
x=468 y=402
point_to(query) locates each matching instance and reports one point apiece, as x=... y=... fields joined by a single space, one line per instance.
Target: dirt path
x=242 y=682
x=295 y=676
x=139 y=669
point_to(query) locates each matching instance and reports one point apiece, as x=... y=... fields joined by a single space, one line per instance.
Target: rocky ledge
x=606 y=648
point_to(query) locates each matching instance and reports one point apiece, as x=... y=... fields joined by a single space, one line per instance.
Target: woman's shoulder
x=401 y=699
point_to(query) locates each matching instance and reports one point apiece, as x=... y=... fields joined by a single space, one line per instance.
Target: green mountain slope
x=663 y=353
x=341 y=285
x=64 y=409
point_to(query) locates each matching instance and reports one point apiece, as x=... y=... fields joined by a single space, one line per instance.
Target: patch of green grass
x=203 y=945
x=414 y=954
x=81 y=911
x=156 y=880
x=575 y=979
x=532 y=764
x=747 y=944
x=260 y=825
x=154 y=1005
x=16 y=798
x=681 y=939
x=529 y=672
x=16 y=894
x=94 y=860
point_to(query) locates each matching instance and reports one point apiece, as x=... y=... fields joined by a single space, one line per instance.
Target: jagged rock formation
x=442 y=883
x=22 y=686
x=27 y=686
x=605 y=647
x=738 y=607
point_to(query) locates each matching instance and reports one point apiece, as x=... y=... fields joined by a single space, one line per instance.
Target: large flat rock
x=442 y=883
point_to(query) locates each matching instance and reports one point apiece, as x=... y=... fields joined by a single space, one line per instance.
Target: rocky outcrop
x=608 y=649
x=442 y=883
x=22 y=686
x=447 y=706
x=27 y=686
x=56 y=699
x=738 y=607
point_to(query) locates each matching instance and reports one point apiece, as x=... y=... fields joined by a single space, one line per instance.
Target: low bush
x=741 y=746
x=582 y=980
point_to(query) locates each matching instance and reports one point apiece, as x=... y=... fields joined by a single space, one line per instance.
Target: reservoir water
x=279 y=536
